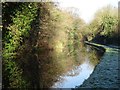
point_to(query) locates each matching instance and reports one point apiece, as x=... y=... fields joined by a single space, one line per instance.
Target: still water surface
x=70 y=71
x=76 y=76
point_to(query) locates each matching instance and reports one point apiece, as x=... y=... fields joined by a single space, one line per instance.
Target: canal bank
x=105 y=74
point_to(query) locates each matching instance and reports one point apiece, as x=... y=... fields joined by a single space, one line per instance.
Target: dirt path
x=105 y=74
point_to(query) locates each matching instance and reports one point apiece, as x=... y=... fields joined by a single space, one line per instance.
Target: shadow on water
x=48 y=69
x=78 y=67
x=69 y=71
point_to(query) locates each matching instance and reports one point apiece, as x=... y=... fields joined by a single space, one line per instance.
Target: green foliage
x=105 y=23
x=16 y=32
x=109 y=24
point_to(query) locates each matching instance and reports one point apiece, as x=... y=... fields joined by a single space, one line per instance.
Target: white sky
x=87 y=8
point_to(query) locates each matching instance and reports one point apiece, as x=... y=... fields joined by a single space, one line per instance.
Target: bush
x=16 y=31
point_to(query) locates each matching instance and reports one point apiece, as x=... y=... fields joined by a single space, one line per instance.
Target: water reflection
x=62 y=71
x=75 y=77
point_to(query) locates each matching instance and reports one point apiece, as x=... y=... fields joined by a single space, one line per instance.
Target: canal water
x=69 y=71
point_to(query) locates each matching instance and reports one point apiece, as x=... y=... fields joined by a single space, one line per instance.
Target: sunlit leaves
x=24 y=15
x=108 y=18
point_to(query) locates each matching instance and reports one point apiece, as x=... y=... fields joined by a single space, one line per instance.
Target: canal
x=69 y=71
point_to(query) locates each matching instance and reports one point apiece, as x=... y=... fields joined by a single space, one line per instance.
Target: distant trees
x=104 y=25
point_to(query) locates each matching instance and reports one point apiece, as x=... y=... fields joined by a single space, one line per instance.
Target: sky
x=87 y=8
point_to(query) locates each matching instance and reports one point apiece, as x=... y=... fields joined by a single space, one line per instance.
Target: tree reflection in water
x=64 y=71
